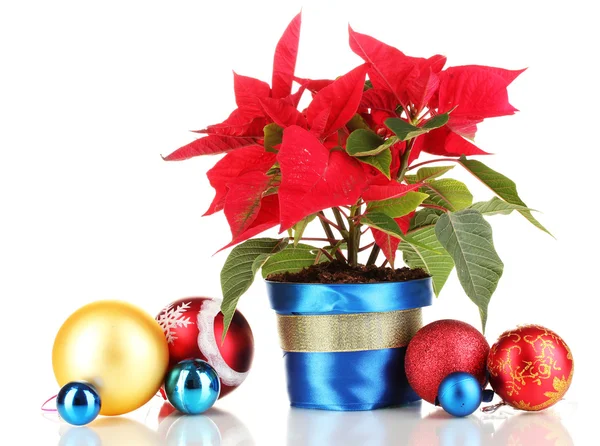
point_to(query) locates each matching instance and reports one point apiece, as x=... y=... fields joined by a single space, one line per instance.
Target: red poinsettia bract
x=283 y=165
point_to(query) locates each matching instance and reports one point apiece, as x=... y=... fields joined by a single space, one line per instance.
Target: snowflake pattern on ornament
x=172 y=318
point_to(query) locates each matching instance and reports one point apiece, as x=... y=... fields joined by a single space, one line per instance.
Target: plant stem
x=404 y=160
x=374 y=254
x=326 y=254
x=364 y=248
x=321 y=239
x=324 y=219
x=437 y=160
x=340 y=222
x=353 y=236
x=329 y=232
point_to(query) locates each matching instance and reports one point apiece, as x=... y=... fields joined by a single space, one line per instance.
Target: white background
x=92 y=93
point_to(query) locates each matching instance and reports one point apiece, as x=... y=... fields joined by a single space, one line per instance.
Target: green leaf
x=239 y=270
x=292 y=259
x=502 y=186
x=427 y=173
x=386 y=224
x=364 y=142
x=438 y=264
x=448 y=193
x=437 y=121
x=497 y=206
x=468 y=239
x=300 y=227
x=405 y=131
x=357 y=122
x=399 y=206
x=381 y=162
x=383 y=222
x=423 y=218
x=273 y=136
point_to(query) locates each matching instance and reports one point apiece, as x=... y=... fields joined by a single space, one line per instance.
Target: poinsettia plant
x=349 y=161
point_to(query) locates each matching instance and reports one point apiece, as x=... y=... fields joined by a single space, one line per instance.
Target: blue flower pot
x=344 y=344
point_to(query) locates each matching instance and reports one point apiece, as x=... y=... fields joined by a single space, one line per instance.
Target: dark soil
x=340 y=272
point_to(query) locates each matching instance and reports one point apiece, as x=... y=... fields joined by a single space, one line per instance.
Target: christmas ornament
x=78 y=403
x=116 y=347
x=459 y=394
x=193 y=328
x=531 y=367
x=441 y=348
x=192 y=386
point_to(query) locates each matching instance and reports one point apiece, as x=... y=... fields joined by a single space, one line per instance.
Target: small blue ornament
x=78 y=403
x=459 y=394
x=192 y=386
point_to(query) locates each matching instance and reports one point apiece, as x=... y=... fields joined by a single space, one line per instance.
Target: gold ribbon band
x=348 y=332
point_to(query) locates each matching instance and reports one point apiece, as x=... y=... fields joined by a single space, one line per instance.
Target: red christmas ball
x=441 y=348
x=531 y=367
x=194 y=326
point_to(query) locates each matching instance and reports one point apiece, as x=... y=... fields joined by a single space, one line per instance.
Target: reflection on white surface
x=109 y=431
x=214 y=428
x=407 y=426
x=414 y=425
x=540 y=429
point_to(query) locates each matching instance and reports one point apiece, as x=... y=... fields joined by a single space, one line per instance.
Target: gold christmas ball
x=118 y=348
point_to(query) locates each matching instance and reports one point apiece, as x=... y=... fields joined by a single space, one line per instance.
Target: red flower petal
x=238 y=124
x=389 y=68
x=209 y=145
x=341 y=98
x=445 y=142
x=284 y=62
x=282 y=112
x=376 y=192
x=267 y=218
x=313 y=85
x=379 y=99
x=422 y=89
x=313 y=178
x=248 y=91
x=389 y=244
x=231 y=166
x=243 y=201
x=476 y=92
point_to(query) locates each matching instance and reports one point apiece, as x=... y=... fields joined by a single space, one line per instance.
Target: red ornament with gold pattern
x=530 y=367
x=194 y=326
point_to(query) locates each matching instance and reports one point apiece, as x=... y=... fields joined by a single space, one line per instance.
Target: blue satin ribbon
x=362 y=380
x=310 y=298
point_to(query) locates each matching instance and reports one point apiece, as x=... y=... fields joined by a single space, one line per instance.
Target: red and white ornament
x=194 y=326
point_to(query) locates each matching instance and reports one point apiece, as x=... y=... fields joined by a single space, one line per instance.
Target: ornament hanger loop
x=493 y=408
x=44 y=408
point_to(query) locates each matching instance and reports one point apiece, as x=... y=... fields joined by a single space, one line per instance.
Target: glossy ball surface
x=531 y=367
x=78 y=403
x=441 y=348
x=460 y=394
x=192 y=386
x=118 y=348
x=193 y=327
